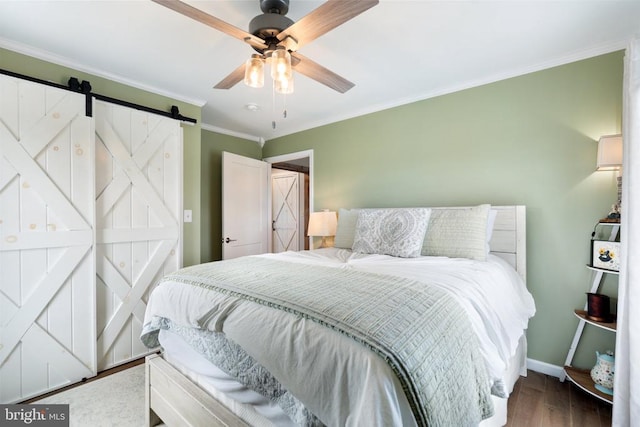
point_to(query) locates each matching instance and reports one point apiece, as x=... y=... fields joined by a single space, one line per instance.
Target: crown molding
x=224 y=131
x=65 y=62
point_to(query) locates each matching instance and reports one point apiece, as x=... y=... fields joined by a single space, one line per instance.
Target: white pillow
x=395 y=232
x=346 y=229
x=458 y=233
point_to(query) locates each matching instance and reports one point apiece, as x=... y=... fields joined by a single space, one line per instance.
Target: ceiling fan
x=273 y=35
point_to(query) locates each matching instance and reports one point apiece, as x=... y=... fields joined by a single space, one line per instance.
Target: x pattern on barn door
x=286 y=212
x=47 y=273
x=139 y=193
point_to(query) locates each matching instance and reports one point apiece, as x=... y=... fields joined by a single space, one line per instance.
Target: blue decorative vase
x=602 y=372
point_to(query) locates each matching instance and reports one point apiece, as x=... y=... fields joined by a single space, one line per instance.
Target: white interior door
x=138 y=221
x=245 y=206
x=47 y=273
x=285 y=193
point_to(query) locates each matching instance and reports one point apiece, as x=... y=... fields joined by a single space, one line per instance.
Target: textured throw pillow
x=458 y=233
x=346 y=229
x=395 y=232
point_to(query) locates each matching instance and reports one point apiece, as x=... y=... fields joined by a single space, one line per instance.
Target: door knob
x=227 y=240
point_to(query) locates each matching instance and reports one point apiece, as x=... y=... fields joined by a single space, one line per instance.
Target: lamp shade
x=254 y=71
x=284 y=86
x=280 y=64
x=609 y=153
x=322 y=224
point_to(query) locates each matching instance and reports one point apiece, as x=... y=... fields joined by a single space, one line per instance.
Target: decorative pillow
x=346 y=230
x=396 y=232
x=458 y=233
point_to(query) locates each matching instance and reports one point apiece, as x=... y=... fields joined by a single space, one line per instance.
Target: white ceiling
x=398 y=52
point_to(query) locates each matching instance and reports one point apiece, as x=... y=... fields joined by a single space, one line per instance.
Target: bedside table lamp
x=322 y=224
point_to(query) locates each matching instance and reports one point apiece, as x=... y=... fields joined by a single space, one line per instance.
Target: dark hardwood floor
x=543 y=401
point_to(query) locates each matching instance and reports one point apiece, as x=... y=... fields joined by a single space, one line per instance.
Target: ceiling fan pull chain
x=273 y=106
x=284 y=106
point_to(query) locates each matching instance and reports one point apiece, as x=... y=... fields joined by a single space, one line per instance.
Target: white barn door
x=286 y=212
x=138 y=221
x=47 y=274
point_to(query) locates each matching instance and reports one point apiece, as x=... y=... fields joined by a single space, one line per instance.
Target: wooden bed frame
x=173 y=399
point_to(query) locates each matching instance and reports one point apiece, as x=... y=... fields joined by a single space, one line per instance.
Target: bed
x=417 y=316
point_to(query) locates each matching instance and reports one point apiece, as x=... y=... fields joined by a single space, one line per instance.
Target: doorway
x=300 y=163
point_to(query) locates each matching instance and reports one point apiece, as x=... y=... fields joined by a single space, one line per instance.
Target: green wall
x=213 y=144
x=527 y=140
x=43 y=70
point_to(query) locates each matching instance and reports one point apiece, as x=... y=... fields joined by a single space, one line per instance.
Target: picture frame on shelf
x=605 y=255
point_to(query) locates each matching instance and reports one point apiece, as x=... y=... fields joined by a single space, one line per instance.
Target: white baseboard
x=546 y=368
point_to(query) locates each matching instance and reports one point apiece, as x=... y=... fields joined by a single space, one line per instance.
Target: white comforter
x=362 y=389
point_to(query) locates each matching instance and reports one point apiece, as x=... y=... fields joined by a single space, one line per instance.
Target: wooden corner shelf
x=610 y=326
x=603 y=270
x=582 y=378
x=610 y=221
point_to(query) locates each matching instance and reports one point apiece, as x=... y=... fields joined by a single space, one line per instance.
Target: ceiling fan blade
x=232 y=79
x=220 y=25
x=324 y=19
x=317 y=72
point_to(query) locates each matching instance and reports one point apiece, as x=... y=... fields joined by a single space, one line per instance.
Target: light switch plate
x=188 y=215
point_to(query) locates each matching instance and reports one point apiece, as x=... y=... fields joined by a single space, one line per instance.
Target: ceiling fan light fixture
x=273 y=31
x=281 y=64
x=284 y=86
x=254 y=71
